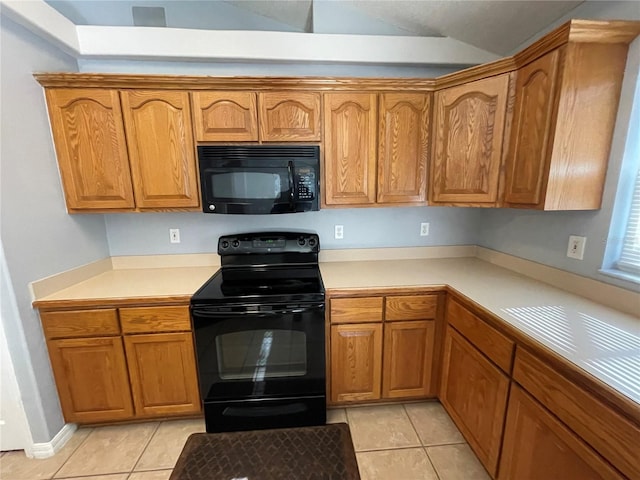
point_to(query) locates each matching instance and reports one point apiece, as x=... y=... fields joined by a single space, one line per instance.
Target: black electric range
x=260 y=335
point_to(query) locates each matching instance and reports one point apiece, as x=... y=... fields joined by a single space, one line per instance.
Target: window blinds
x=630 y=256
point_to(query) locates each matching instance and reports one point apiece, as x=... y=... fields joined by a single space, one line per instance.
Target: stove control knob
x=301 y=241
x=235 y=244
x=224 y=244
x=312 y=242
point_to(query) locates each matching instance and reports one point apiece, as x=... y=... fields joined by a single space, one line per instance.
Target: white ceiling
x=495 y=26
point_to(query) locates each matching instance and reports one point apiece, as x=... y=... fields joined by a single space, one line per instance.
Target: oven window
x=246 y=185
x=261 y=354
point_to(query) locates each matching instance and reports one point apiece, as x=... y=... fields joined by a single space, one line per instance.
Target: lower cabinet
x=474 y=393
x=374 y=355
x=537 y=446
x=105 y=373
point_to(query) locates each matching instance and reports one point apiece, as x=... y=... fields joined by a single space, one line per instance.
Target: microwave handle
x=291 y=186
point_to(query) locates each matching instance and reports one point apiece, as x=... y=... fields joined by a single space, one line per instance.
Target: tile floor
x=416 y=441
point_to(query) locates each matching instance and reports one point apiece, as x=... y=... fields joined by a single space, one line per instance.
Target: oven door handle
x=291 y=186
x=205 y=312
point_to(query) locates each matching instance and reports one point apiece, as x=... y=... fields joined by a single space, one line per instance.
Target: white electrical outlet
x=424 y=229
x=174 y=235
x=339 y=232
x=575 y=249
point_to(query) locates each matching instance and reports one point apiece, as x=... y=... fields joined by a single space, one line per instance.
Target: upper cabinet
x=468 y=135
x=566 y=105
x=249 y=116
x=289 y=116
x=225 y=116
x=403 y=147
x=161 y=149
x=350 y=148
x=91 y=148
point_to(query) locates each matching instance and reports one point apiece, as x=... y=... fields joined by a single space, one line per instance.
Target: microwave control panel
x=306 y=183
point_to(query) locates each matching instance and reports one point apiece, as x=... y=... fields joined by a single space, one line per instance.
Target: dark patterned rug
x=305 y=453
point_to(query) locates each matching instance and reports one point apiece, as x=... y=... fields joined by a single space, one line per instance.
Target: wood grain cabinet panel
x=354 y=310
x=163 y=373
x=91 y=147
x=80 y=323
x=92 y=380
x=289 y=116
x=225 y=116
x=403 y=147
x=350 y=127
x=155 y=319
x=408 y=359
x=566 y=107
x=356 y=362
x=161 y=149
x=410 y=307
x=474 y=393
x=538 y=446
x=468 y=136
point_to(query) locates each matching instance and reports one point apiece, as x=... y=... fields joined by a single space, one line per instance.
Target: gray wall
x=38 y=237
x=363 y=228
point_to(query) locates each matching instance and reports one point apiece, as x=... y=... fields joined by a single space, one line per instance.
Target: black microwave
x=259 y=179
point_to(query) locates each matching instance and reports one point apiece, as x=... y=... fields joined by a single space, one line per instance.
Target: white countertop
x=600 y=340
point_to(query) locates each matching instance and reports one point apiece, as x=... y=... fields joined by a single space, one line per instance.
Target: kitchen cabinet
x=372 y=341
x=91 y=147
x=289 y=116
x=161 y=149
x=468 y=133
x=225 y=116
x=403 y=147
x=117 y=364
x=552 y=450
x=565 y=111
x=350 y=128
x=474 y=393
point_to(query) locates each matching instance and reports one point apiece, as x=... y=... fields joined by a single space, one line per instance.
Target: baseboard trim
x=49 y=449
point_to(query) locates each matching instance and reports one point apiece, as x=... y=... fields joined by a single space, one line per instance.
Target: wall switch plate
x=174 y=235
x=424 y=229
x=339 y=232
x=575 y=249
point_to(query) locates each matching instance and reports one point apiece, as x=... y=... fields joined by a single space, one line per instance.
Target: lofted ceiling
x=494 y=26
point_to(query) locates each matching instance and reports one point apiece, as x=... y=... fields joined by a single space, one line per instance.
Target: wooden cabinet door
x=408 y=359
x=161 y=150
x=474 y=393
x=91 y=376
x=536 y=446
x=403 y=147
x=91 y=148
x=289 y=116
x=532 y=134
x=469 y=125
x=163 y=373
x=356 y=362
x=350 y=123
x=225 y=116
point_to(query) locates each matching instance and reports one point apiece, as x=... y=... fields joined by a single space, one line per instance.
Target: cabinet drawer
x=80 y=323
x=155 y=319
x=354 y=310
x=607 y=432
x=411 y=307
x=487 y=339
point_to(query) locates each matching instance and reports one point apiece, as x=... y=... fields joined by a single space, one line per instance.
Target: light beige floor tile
x=113 y=449
x=404 y=463
x=380 y=427
x=115 y=476
x=337 y=415
x=433 y=424
x=166 y=445
x=456 y=462
x=154 y=475
x=16 y=466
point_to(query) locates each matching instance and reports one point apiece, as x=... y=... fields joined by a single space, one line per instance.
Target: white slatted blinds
x=630 y=256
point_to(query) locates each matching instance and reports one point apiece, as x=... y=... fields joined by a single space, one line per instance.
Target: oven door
x=248 y=187
x=260 y=351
